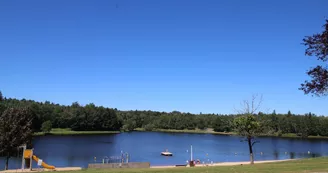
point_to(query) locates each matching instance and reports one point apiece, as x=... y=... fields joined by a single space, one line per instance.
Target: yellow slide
x=43 y=163
x=27 y=155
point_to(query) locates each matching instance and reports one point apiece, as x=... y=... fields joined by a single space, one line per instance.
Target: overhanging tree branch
x=317 y=45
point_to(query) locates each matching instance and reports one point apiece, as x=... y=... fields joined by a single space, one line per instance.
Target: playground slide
x=43 y=163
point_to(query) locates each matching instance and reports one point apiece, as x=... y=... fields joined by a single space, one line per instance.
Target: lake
x=68 y=151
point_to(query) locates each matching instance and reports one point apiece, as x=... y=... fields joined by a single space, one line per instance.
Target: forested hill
x=91 y=117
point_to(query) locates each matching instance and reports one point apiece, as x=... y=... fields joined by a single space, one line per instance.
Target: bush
x=201 y=123
x=130 y=125
x=191 y=128
x=222 y=124
x=201 y=126
x=149 y=127
x=46 y=126
x=124 y=128
x=280 y=133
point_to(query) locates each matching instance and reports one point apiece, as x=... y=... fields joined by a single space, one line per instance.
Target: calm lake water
x=68 y=151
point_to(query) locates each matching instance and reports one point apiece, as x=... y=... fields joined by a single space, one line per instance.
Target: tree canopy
x=75 y=116
x=91 y=117
x=317 y=45
x=1 y=96
x=15 y=130
x=247 y=125
x=46 y=126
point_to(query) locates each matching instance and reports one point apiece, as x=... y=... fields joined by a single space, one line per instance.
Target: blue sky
x=185 y=55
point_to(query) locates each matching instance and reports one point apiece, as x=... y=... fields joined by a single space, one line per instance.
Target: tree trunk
x=7 y=161
x=249 y=139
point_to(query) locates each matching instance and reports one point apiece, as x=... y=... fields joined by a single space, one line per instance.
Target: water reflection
x=64 y=151
x=276 y=155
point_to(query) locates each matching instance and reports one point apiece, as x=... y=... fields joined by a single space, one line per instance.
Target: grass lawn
x=298 y=166
x=70 y=132
x=293 y=135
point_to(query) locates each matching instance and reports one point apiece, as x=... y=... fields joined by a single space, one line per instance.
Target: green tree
x=149 y=127
x=283 y=124
x=247 y=125
x=201 y=123
x=2 y=108
x=46 y=126
x=15 y=130
x=129 y=125
x=303 y=126
x=1 y=96
x=35 y=109
x=222 y=124
x=274 y=124
x=317 y=45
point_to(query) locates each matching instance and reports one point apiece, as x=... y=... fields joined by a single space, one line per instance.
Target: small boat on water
x=166 y=153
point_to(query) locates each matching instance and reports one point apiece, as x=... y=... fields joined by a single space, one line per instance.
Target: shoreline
x=274 y=166
x=69 y=132
x=159 y=167
x=227 y=163
x=210 y=131
x=186 y=131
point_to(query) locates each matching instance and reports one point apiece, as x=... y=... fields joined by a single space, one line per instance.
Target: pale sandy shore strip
x=38 y=170
x=228 y=163
x=172 y=166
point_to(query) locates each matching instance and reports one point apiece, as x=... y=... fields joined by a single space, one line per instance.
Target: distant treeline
x=75 y=116
x=91 y=117
x=271 y=124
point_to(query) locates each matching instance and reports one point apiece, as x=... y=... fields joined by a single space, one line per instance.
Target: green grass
x=293 y=135
x=298 y=166
x=58 y=131
x=210 y=131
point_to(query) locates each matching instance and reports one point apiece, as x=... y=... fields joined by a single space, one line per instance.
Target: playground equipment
x=28 y=156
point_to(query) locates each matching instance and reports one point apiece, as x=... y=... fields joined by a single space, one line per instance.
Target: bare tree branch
x=255 y=142
x=267 y=111
x=253 y=100
x=247 y=106
x=250 y=107
x=256 y=107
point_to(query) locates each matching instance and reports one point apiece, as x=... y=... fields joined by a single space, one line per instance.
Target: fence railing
x=123 y=158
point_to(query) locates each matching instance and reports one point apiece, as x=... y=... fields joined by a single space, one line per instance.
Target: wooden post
x=122 y=157
x=191 y=153
x=127 y=157
x=23 y=160
x=31 y=159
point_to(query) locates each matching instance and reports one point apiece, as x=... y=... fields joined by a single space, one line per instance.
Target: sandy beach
x=170 y=166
